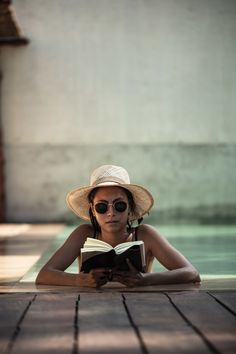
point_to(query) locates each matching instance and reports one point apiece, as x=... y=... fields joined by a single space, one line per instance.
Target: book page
x=122 y=247
x=92 y=244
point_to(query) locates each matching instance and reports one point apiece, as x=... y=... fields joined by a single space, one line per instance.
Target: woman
x=112 y=203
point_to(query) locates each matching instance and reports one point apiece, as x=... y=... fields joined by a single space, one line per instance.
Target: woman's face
x=112 y=220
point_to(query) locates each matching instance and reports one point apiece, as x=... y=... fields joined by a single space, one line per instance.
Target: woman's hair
x=96 y=226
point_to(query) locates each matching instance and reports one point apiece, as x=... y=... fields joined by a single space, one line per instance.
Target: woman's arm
x=53 y=272
x=179 y=269
x=185 y=274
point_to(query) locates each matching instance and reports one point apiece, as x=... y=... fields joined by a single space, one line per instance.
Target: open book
x=99 y=254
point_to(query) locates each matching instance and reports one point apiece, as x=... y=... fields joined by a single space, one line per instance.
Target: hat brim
x=78 y=201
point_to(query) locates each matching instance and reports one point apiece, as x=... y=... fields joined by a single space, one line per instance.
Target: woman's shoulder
x=146 y=228
x=147 y=231
x=84 y=227
x=152 y=238
x=82 y=232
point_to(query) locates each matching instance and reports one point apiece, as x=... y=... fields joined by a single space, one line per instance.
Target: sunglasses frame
x=113 y=205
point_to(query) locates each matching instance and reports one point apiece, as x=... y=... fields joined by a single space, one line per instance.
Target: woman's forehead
x=110 y=192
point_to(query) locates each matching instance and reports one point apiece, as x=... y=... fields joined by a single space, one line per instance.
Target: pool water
x=210 y=248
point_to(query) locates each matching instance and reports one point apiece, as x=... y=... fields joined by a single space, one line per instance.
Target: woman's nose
x=110 y=209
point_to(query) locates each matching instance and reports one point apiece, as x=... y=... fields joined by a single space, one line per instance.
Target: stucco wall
x=149 y=85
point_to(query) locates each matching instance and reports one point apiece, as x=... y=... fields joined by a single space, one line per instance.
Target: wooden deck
x=115 y=322
x=114 y=319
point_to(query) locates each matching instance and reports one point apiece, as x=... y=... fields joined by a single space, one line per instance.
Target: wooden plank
x=161 y=327
x=215 y=323
x=48 y=326
x=228 y=299
x=12 y=308
x=104 y=326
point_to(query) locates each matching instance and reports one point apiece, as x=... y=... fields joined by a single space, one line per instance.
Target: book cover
x=99 y=254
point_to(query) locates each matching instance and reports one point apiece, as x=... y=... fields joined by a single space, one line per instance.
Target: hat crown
x=109 y=173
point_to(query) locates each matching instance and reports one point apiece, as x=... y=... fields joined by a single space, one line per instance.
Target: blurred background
x=146 y=84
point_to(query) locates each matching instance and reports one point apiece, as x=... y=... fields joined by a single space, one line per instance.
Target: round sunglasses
x=102 y=207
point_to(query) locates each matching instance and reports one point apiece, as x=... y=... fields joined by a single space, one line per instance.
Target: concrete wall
x=149 y=85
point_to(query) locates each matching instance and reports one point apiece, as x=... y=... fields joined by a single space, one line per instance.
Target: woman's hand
x=132 y=277
x=94 y=279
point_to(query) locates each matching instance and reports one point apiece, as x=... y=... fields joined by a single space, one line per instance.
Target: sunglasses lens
x=120 y=206
x=101 y=208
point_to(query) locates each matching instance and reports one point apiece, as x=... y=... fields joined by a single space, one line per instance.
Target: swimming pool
x=210 y=248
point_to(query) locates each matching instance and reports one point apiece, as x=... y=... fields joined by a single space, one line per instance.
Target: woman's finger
x=100 y=270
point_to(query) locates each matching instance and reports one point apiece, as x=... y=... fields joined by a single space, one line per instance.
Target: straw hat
x=106 y=176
